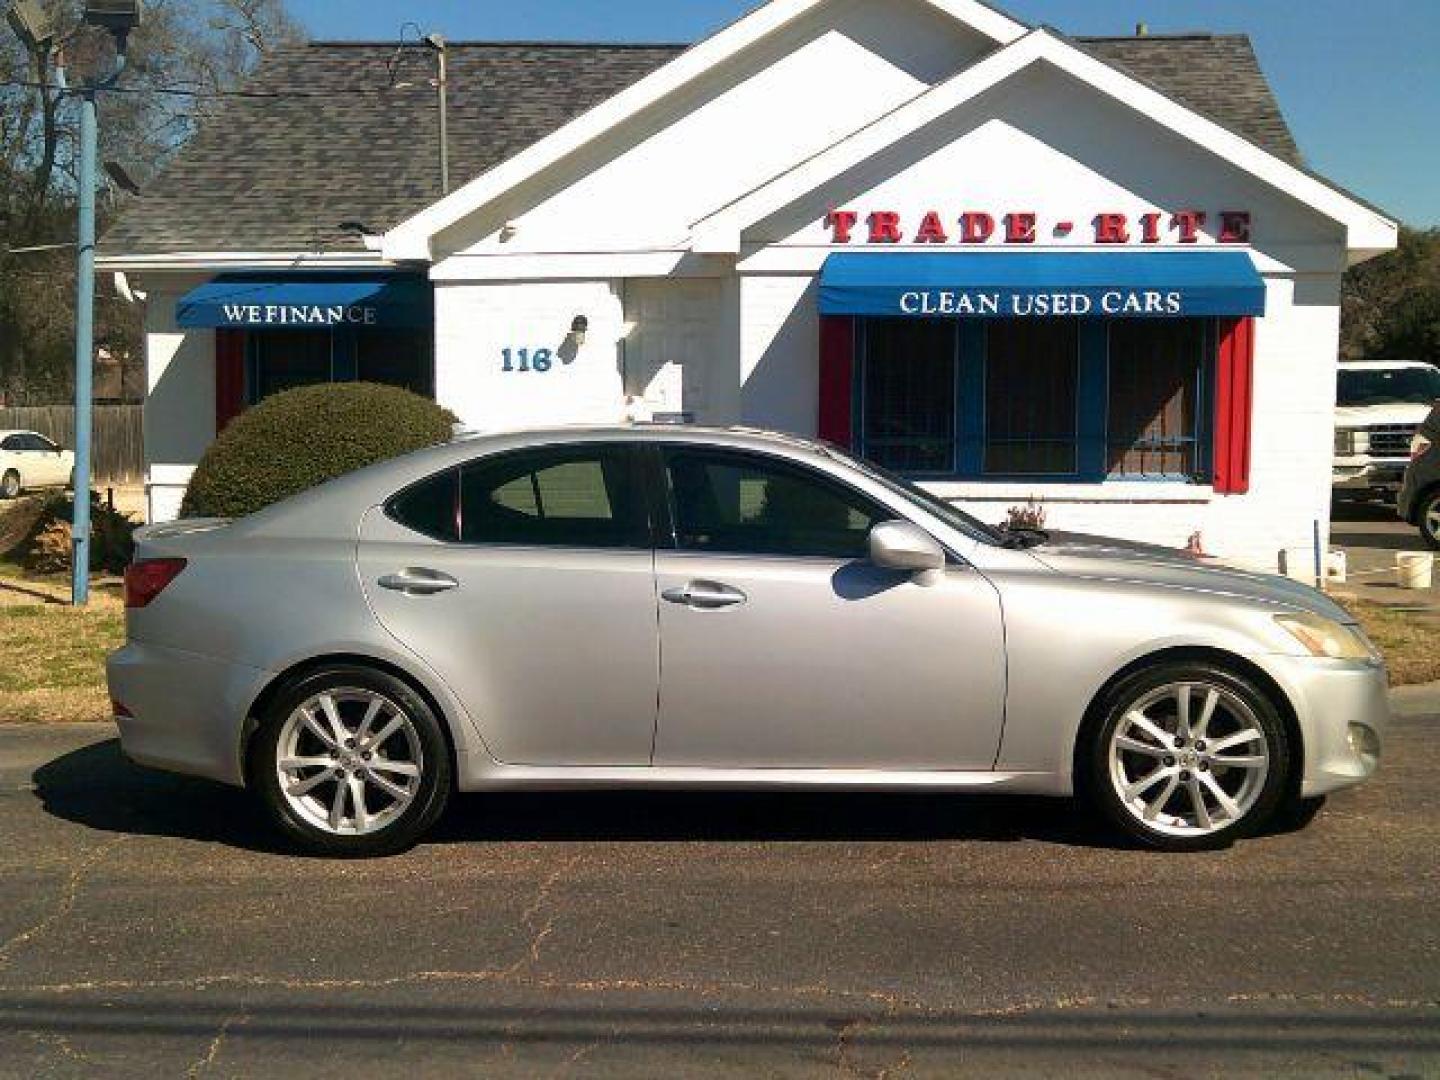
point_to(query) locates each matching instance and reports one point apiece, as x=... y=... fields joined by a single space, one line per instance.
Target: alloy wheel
x=349 y=761
x=1189 y=759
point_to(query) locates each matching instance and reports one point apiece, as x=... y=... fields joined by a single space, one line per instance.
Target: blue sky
x=1359 y=82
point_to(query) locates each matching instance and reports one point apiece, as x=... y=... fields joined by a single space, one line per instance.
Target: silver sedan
x=680 y=607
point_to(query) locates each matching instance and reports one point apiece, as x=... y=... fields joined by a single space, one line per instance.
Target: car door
x=50 y=466
x=784 y=647
x=526 y=581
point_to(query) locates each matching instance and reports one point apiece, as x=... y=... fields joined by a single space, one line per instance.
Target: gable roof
x=326 y=139
x=1368 y=231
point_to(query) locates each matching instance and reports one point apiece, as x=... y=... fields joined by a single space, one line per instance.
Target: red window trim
x=837 y=380
x=1234 y=406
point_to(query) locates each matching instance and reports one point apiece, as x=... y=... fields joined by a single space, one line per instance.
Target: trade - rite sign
x=975 y=227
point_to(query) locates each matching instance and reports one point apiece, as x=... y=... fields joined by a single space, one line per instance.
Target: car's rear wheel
x=10 y=485
x=1187 y=757
x=351 y=762
x=1430 y=518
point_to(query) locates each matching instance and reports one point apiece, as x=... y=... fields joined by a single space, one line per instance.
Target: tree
x=182 y=60
x=1392 y=304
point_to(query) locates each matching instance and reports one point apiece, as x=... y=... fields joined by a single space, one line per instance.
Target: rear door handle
x=706 y=596
x=419 y=582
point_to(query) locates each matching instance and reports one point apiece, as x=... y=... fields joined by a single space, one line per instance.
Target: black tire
x=1430 y=512
x=435 y=781
x=10 y=485
x=1096 y=785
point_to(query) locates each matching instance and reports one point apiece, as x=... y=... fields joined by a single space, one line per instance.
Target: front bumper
x=188 y=711
x=1329 y=697
x=1362 y=476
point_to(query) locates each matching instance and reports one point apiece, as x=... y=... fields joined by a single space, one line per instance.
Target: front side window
x=744 y=504
x=586 y=497
x=13 y=442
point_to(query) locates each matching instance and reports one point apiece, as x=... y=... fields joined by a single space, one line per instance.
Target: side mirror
x=899 y=545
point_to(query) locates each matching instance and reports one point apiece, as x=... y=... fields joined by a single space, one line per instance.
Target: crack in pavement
x=68 y=896
x=527 y=917
x=213 y=1053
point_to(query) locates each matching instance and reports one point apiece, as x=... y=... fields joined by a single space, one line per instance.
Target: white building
x=1004 y=262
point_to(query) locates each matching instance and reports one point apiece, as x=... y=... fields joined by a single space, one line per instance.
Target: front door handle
x=418 y=581
x=706 y=596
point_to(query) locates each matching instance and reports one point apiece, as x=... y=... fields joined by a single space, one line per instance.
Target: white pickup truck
x=1381 y=407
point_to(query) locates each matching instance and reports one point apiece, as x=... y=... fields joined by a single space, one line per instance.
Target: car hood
x=1109 y=559
x=1361 y=416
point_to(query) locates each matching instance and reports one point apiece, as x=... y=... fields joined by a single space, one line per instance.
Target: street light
x=29 y=21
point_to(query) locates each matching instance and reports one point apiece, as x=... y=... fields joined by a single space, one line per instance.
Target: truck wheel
x=1430 y=517
x=10 y=485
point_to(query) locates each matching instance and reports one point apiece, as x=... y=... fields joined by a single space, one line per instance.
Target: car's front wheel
x=1187 y=757
x=351 y=762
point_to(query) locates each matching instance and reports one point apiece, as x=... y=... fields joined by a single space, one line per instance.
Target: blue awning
x=1007 y=285
x=315 y=301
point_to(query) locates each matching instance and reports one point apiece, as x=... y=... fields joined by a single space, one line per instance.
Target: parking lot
x=148 y=925
x=1371 y=535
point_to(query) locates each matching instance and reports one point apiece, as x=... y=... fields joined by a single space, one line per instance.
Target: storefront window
x=1156 y=393
x=1031 y=377
x=287 y=359
x=282 y=360
x=396 y=358
x=1054 y=399
x=909 y=394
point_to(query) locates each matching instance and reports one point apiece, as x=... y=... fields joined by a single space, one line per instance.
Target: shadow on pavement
x=97 y=787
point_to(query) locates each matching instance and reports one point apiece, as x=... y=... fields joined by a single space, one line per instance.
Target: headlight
x=1326 y=637
x=1344 y=444
x=1418 y=446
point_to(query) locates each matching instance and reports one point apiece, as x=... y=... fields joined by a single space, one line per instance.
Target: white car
x=1381 y=407
x=29 y=460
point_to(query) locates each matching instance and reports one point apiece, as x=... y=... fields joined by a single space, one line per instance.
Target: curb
x=1416 y=701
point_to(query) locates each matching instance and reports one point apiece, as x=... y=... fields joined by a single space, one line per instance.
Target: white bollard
x=1415 y=571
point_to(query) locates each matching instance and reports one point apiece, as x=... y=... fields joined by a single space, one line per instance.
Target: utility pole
x=32 y=24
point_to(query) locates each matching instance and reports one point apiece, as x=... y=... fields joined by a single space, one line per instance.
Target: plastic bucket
x=1337 y=568
x=1416 y=571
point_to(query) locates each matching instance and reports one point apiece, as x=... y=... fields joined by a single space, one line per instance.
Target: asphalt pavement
x=151 y=926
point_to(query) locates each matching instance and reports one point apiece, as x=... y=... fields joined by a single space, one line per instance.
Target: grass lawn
x=1409 y=640
x=52 y=657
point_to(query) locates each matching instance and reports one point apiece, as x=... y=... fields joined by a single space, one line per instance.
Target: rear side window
x=573 y=496
x=430 y=507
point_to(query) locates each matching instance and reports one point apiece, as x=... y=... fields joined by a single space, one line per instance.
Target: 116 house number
x=523 y=361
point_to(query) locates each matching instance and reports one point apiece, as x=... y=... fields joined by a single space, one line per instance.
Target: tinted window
x=429 y=507
x=1389 y=386
x=745 y=504
x=12 y=443
x=578 y=496
x=41 y=443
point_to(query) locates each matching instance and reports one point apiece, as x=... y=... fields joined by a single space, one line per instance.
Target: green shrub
x=46 y=546
x=301 y=438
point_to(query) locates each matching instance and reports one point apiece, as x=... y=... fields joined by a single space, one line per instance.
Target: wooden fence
x=118 y=440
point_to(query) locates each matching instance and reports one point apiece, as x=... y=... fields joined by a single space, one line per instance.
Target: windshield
x=947 y=512
x=1389 y=386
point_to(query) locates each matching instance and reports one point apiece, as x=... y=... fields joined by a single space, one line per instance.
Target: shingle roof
x=340 y=141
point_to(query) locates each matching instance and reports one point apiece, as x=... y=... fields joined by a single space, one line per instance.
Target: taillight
x=147 y=579
x=1418 y=447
